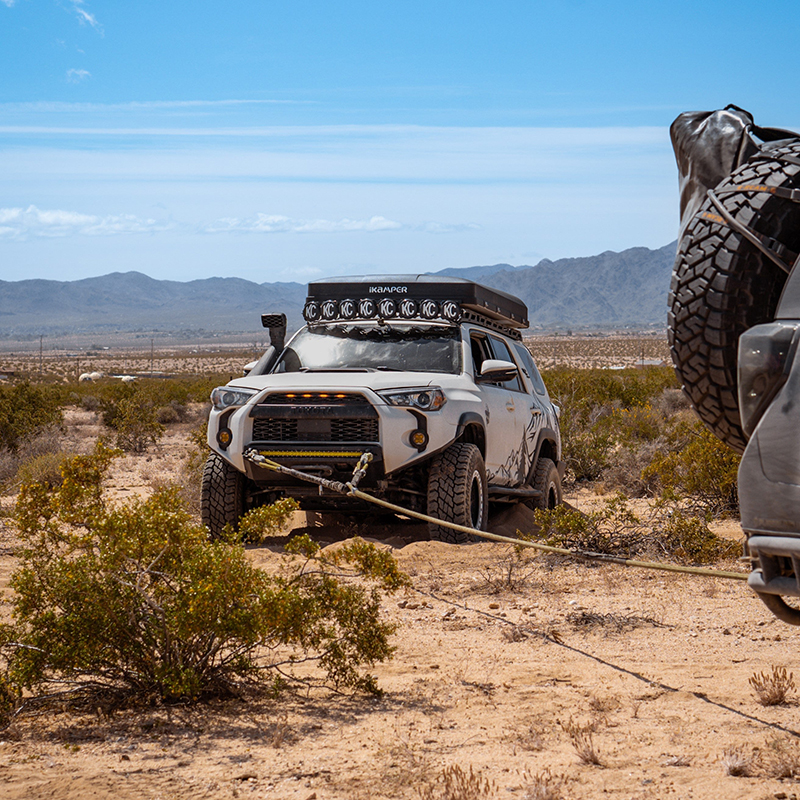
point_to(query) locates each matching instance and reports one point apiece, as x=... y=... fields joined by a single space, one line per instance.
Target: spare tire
x=723 y=284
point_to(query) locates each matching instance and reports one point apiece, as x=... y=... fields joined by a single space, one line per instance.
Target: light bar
x=384 y=308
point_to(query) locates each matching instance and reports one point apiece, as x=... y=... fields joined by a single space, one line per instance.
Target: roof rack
x=425 y=297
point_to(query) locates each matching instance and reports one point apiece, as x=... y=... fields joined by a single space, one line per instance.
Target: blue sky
x=288 y=141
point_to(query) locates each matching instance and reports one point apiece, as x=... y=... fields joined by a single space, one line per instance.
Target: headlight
x=427 y=399
x=227 y=397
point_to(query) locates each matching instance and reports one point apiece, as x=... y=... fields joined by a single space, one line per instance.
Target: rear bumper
x=776 y=565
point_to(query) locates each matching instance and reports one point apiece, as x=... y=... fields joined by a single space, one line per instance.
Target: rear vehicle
x=429 y=375
x=734 y=323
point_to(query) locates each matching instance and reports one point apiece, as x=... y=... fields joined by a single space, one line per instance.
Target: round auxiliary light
x=347 y=309
x=387 y=308
x=429 y=309
x=367 y=308
x=451 y=310
x=408 y=308
x=329 y=309
x=311 y=311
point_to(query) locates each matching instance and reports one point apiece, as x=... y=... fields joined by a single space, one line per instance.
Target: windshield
x=402 y=348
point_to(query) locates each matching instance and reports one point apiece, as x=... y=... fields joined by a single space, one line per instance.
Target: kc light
x=226 y=397
x=427 y=399
x=429 y=309
x=451 y=310
x=311 y=311
x=329 y=309
x=387 y=308
x=367 y=308
x=408 y=308
x=347 y=309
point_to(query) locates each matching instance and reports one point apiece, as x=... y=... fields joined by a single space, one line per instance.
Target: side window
x=530 y=369
x=480 y=351
x=502 y=353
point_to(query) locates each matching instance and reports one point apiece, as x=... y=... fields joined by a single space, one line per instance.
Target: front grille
x=316 y=430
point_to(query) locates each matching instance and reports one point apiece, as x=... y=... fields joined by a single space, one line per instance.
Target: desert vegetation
x=296 y=659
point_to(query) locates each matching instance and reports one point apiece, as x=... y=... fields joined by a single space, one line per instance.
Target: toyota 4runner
x=427 y=374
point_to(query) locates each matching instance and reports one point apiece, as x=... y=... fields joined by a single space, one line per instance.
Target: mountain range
x=610 y=290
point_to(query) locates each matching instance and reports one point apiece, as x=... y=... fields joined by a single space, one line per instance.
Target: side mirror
x=247 y=367
x=495 y=371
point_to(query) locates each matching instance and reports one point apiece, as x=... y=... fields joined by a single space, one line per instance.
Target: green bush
x=134 y=599
x=26 y=410
x=698 y=465
x=602 y=410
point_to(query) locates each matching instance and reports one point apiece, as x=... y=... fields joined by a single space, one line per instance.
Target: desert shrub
x=42 y=468
x=192 y=467
x=698 y=465
x=602 y=410
x=614 y=529
x=26 y=410
x=135 y=600
x=133 y=416
x=265 y=521
x=455 y=783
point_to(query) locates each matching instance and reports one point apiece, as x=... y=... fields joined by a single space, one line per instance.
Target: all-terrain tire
x=457 y=492
x=221 y=495
x=547 y=480
x=722 y=285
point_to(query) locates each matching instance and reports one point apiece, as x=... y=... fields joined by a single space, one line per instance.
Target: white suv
x=427 y=374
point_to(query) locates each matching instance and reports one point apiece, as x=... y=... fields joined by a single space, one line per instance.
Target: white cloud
x=8 y=3
x=445 y=227
x=274 y=223
x=84 y=17
x=77 y=75
x=19 y=223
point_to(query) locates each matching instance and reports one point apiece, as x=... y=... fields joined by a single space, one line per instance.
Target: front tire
x=221 y=495
x=457 y=492
x=547 y=480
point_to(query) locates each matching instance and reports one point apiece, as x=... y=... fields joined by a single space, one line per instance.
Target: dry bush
x=510 y=573
x=542 y=785
x=615 y=529
x=455 y=783
x=781 y=758
x=582 y=738
x=531 y=739
x=738 y=763
x=772 y=688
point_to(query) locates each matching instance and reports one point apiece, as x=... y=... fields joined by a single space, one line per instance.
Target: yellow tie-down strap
x=310 y=453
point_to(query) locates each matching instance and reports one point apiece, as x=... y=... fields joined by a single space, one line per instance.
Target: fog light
x=224 y=437
x=419 y=439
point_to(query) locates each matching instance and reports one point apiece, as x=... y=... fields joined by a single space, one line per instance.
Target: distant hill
x=610 y=290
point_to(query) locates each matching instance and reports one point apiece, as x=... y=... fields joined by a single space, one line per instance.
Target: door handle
x=509 y=406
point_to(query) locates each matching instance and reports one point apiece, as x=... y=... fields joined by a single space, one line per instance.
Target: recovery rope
x=350 y=488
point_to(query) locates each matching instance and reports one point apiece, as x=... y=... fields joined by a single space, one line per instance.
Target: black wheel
x=221 y=495
x=722 y=284
x=547 y=480
x=457 y=492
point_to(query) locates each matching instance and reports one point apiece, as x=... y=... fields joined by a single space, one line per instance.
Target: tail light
x=765 y=358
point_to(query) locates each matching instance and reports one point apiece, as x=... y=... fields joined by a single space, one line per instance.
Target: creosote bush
x=631 y=430
x=133 y=600
x=615 y=529
x=26 y=410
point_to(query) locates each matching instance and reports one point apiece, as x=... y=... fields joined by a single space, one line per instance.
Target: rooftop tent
x=500 y=306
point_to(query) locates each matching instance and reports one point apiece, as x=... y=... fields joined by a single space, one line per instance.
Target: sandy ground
x=494 y=663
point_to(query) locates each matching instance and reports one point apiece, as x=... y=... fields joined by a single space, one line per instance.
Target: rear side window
x=531 y=371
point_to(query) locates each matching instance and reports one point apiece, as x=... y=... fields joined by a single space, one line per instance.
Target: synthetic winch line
x=352 y=491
